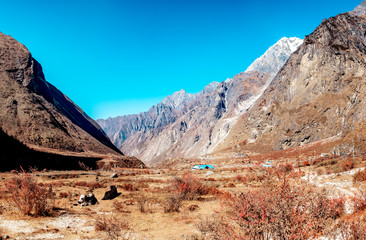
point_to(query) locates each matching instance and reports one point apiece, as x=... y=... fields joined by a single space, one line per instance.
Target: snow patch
x=276 y=56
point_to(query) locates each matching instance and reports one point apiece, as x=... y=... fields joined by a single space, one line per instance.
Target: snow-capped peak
x=276 y=56
x=177 y=99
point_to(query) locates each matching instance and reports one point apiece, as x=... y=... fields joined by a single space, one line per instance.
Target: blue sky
x=115 y=57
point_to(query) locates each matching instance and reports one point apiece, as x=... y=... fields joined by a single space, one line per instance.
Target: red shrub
x=287 y=168
x=29 y=197
x=129 y=187
x=230 y=185
x=210 y=179
x=120 y=207
x=193 y=207
x=189 y=186
x=173 y=203
x=63 y=195
x=347 y=165
x=359 y=201
x=240 y=178
x=350 y=228
x=112 y=226
x=360 y=176
x=277 y=211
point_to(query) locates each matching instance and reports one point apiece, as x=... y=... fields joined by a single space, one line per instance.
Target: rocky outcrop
x=37 y=114
x=319 y=94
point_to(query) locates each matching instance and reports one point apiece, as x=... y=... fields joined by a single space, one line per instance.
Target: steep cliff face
x=319 y=94
x=36 y=113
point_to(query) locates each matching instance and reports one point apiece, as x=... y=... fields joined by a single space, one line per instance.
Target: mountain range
x=190 y=125
x=298 y=94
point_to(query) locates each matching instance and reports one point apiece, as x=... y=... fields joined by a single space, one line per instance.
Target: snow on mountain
x=360 y=10
x=276 y=56
x=188 y=125
x=177 y=99
x=181 y=98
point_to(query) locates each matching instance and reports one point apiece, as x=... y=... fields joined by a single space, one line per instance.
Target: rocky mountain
x=319 y=95
x=178 y=100
x=360 y=10
x=123 y=127
x=181 y=99
x=152 y=122
x=198 y=131
x=37 y=114
x=187 y=125
x=276 y=56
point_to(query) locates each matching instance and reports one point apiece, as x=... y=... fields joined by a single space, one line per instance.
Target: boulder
x=86 y=200
x=111 y=194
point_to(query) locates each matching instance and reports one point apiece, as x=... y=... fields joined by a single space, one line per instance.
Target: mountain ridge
x=201 y=120
x=39 y=116
x=360 y=9
x=317 y=95
x=275 y=57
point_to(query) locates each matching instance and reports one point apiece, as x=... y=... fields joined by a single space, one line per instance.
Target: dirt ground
x=73 y=221
x=139 y=211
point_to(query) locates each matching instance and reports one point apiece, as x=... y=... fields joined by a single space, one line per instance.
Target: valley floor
x=175 y=203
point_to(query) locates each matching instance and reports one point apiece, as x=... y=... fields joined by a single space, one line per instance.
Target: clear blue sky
x=115 y=57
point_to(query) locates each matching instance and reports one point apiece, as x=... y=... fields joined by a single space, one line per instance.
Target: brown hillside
x=36 y=113
x=319 y=94
x=40 y=126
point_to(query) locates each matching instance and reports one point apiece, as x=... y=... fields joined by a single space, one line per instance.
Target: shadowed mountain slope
x=14 y=155
x=36 y=113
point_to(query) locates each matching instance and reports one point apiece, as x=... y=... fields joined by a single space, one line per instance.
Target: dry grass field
x=239 y=199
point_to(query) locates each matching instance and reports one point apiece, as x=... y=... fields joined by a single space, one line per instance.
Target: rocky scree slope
x=319 y=94
x=37 y=114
